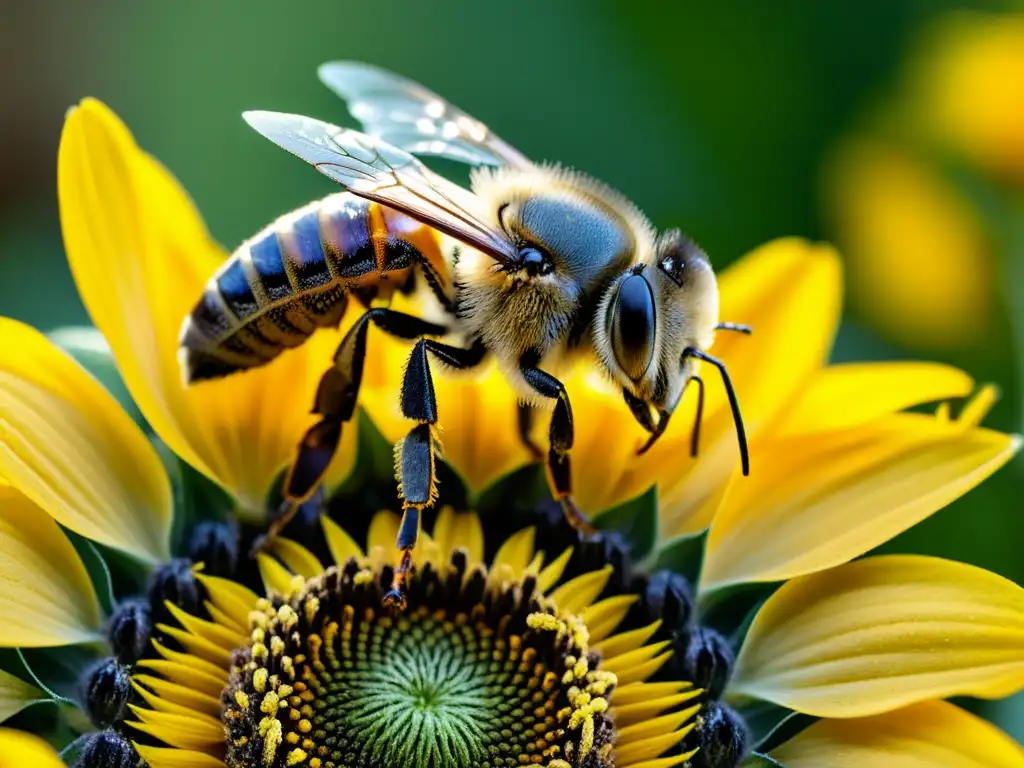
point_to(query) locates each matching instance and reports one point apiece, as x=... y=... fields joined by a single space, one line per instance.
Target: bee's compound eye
x=534 y=261
x=632 y=326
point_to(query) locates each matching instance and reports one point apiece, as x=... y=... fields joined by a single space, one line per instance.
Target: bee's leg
x=524 y=416
x=415 y=456
x=335 y=403
x=561 y=439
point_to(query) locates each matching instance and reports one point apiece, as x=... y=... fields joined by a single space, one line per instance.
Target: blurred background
x=894 y=128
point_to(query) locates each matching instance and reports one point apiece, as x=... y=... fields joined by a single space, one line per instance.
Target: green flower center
x=471 y=675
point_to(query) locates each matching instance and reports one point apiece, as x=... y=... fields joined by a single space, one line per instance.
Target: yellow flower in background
x=608 y=654
x=923 y=252
x=970 y=77
x=920 y=261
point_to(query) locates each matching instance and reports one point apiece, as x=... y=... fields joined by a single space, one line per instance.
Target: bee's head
x=654 y=323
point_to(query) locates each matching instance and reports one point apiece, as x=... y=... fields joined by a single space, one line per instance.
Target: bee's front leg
x=415 y=457
x=561 y=437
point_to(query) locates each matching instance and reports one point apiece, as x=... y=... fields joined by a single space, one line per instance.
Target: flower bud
x=708 y=661
x=721 y=735
x=129 y=630
x=107 y=749
x=106 y=688
x=669 y=597
x=174 y=582
x=215 y=544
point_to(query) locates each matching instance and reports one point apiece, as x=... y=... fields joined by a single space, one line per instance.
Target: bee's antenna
x=737 y=417
x=695 y=435
x=738 y=327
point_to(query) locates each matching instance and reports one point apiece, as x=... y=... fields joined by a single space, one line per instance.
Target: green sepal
x=636 y=519
x=684 y=555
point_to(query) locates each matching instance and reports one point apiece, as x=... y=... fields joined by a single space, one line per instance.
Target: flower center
x=474 y=674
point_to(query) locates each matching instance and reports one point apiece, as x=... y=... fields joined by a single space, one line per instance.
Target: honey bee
x=535 y=265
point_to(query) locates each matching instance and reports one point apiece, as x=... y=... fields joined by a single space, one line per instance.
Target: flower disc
x=470 y=675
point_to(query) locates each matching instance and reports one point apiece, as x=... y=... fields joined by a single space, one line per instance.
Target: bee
x=535 y=265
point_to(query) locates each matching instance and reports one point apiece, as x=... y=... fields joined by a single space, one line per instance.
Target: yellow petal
x=140 y=256
x=453 y=530
x=18 y=749
x=46 y=597
x=578 y=593
x=820 y=500
x=276 y=578
x=299 y=559
x=15 y=695
x=67 y=445
x=932 y=733
x=383 y=531
x=789 y=290
x=234 y=599
x=516 y=551
x=844 y=396
x=165 y=757
x=341 y=545
x=883 y=633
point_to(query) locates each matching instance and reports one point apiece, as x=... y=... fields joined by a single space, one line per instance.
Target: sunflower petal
x=140 y=256
x=789 y=290
x=848 y=395
x=168 y=757
x=298 y=559
x=67 y=445
x=15 y=695
x=341 y=545
x=46 y=597
x=822 y=500
x=459 y=529
x=882 y=633
x=931 y=733
x=18 y=749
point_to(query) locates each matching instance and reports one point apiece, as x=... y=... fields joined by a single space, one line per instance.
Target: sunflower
x=711 y=616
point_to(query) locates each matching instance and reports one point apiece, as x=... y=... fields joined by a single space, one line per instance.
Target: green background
x=714 y=116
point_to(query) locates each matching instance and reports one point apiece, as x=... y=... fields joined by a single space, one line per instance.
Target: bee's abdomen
x=292 y=278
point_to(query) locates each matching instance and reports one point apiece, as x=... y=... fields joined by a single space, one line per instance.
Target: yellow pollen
x=287 y=617
x=312 y=605
x=276 y=645
x=259 y=680
x=241 y=699
x=270 y=704
x=272 y=738
x=295 y=757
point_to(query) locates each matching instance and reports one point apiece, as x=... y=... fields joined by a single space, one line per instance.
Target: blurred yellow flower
x=920 y=263
x=970 y=77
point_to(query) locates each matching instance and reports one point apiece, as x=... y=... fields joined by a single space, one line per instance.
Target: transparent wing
x=407 y=115
x=370 y=168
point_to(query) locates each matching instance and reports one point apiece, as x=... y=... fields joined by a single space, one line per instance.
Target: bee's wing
x=407 y=115
x=370 y=168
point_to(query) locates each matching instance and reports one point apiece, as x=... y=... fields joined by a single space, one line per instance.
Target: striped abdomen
x=293 y=277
